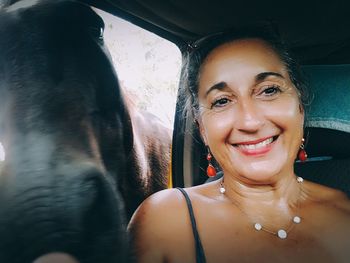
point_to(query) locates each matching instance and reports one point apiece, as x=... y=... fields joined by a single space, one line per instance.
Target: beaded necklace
x=281 y=233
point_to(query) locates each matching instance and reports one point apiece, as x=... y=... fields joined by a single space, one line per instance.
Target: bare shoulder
x=157 y=209
x=162 y=223
x=159 y=225
x=168 y=204
x=328 y=196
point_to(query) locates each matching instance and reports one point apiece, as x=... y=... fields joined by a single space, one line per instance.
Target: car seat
x=328 y=127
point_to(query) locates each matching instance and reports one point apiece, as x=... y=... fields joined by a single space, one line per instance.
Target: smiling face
x=250 y=115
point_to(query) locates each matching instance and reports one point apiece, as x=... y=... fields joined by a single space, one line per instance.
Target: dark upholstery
x=328 y=127
x=333 y=173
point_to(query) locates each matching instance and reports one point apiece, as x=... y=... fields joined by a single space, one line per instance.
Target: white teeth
x=256 y=146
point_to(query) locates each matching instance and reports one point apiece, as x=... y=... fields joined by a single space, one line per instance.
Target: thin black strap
x=200 y=257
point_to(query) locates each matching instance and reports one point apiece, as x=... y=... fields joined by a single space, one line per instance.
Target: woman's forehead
x=254 y=55
x=254 y=49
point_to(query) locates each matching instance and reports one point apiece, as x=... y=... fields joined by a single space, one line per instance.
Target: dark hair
x=197 y=52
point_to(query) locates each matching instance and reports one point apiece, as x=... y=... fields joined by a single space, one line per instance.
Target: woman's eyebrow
x=258 y=78
x=262 y=76
x=219 y=86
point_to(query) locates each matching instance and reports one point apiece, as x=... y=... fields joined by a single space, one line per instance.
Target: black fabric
x=200 y=256
x=332 y=173
x=327 y=142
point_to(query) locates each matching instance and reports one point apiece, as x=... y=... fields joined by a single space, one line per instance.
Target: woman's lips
x=257 y=147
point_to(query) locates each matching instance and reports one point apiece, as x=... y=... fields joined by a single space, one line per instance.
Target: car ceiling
x=317 y=31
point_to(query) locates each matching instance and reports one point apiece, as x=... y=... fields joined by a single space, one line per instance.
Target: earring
x=302 y=155
x=211 y=172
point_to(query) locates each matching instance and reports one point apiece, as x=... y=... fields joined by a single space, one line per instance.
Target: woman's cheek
x=218 y=125
x=284 y=111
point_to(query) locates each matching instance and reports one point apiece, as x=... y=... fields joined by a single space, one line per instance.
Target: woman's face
x=250 y=115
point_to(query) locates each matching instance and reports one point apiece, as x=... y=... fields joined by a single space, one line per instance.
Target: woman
x=247 y=98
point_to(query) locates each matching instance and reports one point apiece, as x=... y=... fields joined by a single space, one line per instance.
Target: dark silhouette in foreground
x=78 y=160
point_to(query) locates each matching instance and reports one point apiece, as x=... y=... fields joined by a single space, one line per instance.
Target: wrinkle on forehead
x=241 y=46
x=254 y=53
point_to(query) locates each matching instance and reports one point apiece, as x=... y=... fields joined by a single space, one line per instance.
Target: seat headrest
x=329 y=86
x=328 y=115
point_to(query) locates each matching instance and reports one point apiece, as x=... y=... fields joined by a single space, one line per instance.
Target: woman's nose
x=249 y=117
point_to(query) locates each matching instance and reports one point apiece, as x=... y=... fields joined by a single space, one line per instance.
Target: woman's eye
x=271 y=90
x=220 y=103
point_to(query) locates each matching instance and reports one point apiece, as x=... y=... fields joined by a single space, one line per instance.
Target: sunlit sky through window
x=147 y=65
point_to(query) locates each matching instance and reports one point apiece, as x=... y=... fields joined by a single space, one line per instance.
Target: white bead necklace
x=281 y=233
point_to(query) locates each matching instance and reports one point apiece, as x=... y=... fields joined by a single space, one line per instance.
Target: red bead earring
x=211 y=172
x=302 y=153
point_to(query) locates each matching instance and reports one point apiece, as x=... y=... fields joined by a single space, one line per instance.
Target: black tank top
x=200 y=256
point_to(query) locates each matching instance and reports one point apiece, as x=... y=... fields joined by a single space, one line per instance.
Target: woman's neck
x=274 y=202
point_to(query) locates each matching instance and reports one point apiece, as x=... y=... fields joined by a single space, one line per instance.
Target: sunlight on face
x=2 y=153
x=250 y=114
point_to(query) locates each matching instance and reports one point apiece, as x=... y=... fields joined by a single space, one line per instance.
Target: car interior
x=317 y=33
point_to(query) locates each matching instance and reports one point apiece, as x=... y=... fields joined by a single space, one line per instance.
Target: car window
x=147 y=65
